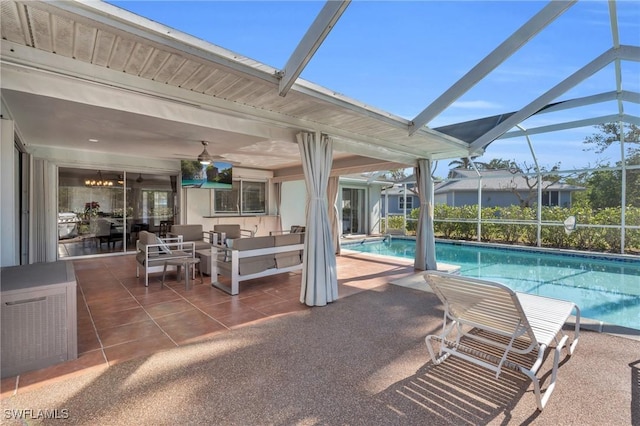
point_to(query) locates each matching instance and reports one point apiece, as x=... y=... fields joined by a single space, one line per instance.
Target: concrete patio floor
x=203 y=357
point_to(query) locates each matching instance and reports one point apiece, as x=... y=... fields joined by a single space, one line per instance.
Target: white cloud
x=475 y=105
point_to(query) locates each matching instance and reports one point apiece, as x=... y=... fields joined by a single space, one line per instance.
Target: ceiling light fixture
x=99 y=181
x=204 y=157
x=139 y=180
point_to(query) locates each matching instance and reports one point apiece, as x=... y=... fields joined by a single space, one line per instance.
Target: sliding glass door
x=353 y=211
x=103 y=211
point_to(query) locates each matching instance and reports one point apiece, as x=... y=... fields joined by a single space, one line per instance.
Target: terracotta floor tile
x=84 y=363
x=284 y=307
x=261 y=299
x=138 y=348
x=87 y=340
x=135 y=321
x=168 y=308
x=166 y=295
x=107 y=296
x=209 y=297
x=102 y=308
x=193 y=333
x=128 y=333
x=8 y=387
x=141 y=290
x=241 y=318
x=185 y=320
x=223 y=309
x=113 y=319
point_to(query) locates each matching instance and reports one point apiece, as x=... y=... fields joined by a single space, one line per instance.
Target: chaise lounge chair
x=507 y=321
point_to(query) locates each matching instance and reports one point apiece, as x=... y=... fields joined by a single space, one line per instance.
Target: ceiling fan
x=204 y=157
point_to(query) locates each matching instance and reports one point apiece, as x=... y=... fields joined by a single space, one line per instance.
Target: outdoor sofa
x=248 y=258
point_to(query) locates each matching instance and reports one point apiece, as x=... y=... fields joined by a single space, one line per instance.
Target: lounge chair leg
x=432 y=353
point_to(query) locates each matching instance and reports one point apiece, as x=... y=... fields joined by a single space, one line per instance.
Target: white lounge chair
x=516 y=323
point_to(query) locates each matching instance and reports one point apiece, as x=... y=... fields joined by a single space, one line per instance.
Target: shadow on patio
x=359 y=360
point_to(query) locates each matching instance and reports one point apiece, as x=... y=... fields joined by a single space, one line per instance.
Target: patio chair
x=153 y=252
x=481 y=314
x=233 y=231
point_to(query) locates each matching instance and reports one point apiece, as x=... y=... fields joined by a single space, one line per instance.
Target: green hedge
x=460 y=223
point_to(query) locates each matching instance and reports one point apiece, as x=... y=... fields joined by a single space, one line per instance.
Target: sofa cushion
x=289 y=258
x=146 y=238
x=254 y=264
x=231 y=231
x=188 y=232
x=202 y=245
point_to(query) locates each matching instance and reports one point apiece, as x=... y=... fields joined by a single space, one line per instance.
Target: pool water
x=605 y=290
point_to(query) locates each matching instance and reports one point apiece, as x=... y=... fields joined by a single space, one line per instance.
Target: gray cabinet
x=38 y=313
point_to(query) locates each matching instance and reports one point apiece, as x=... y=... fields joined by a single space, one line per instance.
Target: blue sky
x=399 y=56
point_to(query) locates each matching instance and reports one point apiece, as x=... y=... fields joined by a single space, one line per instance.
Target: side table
x=186 y=263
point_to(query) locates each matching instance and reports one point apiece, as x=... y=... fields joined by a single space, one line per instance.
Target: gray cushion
x=289 y=258
x=254 y=264
x=232 y=231
x=147 y=238
x=188 y=232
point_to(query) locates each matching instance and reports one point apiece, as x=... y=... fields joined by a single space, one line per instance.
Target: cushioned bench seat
x=249 y=258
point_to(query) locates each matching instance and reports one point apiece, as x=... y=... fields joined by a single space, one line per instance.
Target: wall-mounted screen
x=217 y=175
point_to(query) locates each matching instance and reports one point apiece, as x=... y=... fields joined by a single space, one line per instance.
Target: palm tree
x=465 y=164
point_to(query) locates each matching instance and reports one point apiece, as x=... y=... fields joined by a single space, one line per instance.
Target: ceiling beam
x=623 y=53
x=518 y=39
x=563 y=126
x=580 y=102
x=339 y=167
x=311 y=41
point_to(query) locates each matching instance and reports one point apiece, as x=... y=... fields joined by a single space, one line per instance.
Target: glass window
x=226 y=201
x=409 y=202
x=253 y=197
x=92 y=214
x=550 y=198
x=253 y=200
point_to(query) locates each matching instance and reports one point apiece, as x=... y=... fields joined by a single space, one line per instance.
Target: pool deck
x=271 y=360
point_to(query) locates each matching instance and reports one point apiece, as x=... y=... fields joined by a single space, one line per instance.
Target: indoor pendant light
x=98 y=182
x=204 y=157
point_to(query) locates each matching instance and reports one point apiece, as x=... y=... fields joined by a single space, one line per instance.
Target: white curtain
x=332 y=197
x=43 y=246
x=319 y=275
x=425 y=239
x=278 y=195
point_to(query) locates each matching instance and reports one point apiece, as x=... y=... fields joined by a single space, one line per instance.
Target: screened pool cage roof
x=75 y=71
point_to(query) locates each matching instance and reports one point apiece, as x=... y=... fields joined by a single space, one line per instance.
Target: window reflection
x=92 y=217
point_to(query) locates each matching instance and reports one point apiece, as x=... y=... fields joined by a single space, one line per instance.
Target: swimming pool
x=605 y=290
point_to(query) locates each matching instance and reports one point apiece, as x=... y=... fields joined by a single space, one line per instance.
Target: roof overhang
x=72 y=71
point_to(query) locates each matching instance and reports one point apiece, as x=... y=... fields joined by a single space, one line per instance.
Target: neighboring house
x=395 y=199
x=402 y=194
x=359 y=203
x=501 y=189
